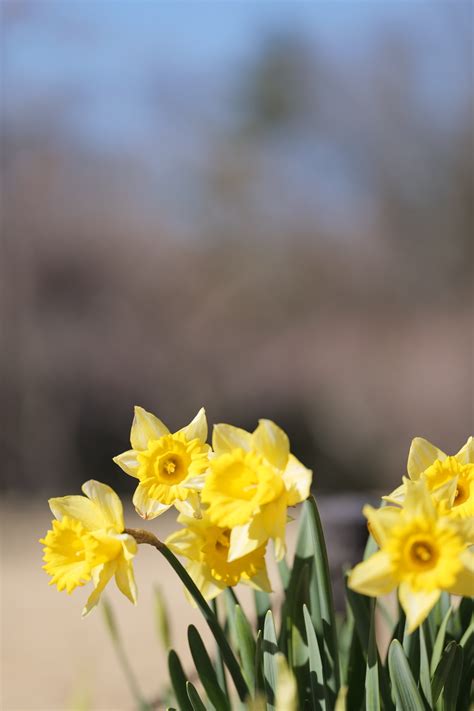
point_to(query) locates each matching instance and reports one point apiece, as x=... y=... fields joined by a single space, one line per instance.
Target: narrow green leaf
x=372 y=695
x=411 y=648
x=451 y=657
x=425 y=679
x=439 y=642
x=284 y=572
x=259 y=681
x=407 y=697
x=246 y=646
x=451 y=687
x=270 y=650
x=178 y=681
x=162 y=619
x=206 y=671
x=220 y=667
x=311 y=550
x=316 y=672
x=355 y=675
x=194 y=697
x=263 y=603
x=465 y=686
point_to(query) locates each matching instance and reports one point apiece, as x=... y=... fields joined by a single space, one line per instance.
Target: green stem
x=142 y=536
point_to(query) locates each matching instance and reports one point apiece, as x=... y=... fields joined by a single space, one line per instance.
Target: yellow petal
x=204 y=581
x=101 y=576
x=107 y=502
x=128 y=462
x=418 y=499
x=225 y=438
x=421 y=456
x=145 y=427
x=125 y=580
x=416 y=604
x=466 y=453
x=247 y=538
x=197 y=428
x=373 y=576
x=272 y=442
x=397 y=496
x=286 y=690
x=464 y=584
x=79 y=508
x=145 y=506
x=381 y=521
x=297 y=481
x=260 y=581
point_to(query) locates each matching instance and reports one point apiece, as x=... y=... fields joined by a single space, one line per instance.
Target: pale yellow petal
x=373 y=576
x=381 y=521
x=145 y=506
x=129 y=545
x=225 y=438
x=286 y=690
x=397 y=496
x=101 y=576
x=272 y=442
x=416 y=604
x=107 y=501
x=466 y=453
x=197 y=428
x=203 y=580
x=145 y=427
x=247 y=538
x=125 y=580
x=464 y=584
x=422 y=454
x=260 y=581
x=297 y=481
x=79 y=508
x=128 y=462
x=190 y=507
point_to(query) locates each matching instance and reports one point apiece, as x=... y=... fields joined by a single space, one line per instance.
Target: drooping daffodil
x=252 y=480
x=87 y=542
x=169 y=467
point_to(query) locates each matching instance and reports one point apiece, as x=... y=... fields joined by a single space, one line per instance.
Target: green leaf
x=270 y=650
x=220 y=668
x=284 y=572
x=449 y=665
x=425 y=679
x=178 y=681
x=206 y=671
x=194 y=697
x=372 y=695
x=316 y=672
x=411 y=647
x=311 y=550
x=162 y=618
x=467 y=644
x=355 y=675
x=259 y=681
x=405 y=691
x=439 y=642
x=246 y=646
x=451 y=687
x=263 y=603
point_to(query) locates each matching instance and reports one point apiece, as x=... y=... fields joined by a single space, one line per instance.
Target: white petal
x=272 y=442
x=128 y=462
x=107 y=502
x=146 y=507
x=145 y=427
x=422 y=454
x=197 y=428
x=227 y=437
x=297 y=481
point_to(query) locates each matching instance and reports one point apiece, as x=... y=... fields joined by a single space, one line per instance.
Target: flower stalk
x=142 y=536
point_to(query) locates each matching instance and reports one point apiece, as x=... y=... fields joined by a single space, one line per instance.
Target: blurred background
x=263 y=208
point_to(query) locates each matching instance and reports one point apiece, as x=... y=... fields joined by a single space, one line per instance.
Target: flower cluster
x=232 y=499
x=424 y=533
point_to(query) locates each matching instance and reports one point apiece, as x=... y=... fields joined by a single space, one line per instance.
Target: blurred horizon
x=265 y=209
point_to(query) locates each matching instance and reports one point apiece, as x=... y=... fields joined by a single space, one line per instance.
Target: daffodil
x=170 y=467
x=87 y=542
x=252 y=481
x=207 y=548
x=449 y=478
x=421 y=553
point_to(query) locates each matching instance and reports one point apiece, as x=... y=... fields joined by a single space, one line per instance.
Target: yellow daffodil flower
x=87 y=542
x=421 y=552
x=169 y=467
x=425 y=461
x=252 y=480
x=207 y=548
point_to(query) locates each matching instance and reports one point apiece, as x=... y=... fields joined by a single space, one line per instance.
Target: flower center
x=223 y=542
x=423 y=554
x=462 y=493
